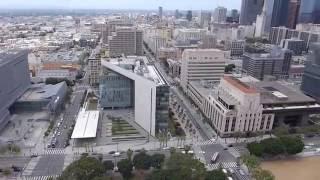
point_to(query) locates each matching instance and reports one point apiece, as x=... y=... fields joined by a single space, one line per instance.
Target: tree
x=125 y=168
x=273 y=146
x=215 y=175
x=157 y=160
x=251 y=161
x=261 y=174
x=108 y=165
x=184 y=166
x=142 y=161
x=83 y=169
x=129 y=154
x=293 y=145
x=281 y=130
x=54 y=81
x=256 y=149
x=229 y=68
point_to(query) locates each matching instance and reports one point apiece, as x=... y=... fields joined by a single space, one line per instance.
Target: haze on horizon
x=120 y=4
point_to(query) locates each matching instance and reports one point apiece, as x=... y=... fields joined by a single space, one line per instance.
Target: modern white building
x=202 y=64
x=132 y=82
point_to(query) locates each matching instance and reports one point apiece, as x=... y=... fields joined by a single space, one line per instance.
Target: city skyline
x=120 y=4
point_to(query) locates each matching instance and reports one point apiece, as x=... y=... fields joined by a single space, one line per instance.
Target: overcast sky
x=120 y=4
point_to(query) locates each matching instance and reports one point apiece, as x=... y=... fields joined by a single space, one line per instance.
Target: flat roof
x=276 y=93
x=240 y=85
x=140 y=66
x=86 y=125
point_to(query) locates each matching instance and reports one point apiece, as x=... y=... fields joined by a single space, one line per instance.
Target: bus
x=214 y=157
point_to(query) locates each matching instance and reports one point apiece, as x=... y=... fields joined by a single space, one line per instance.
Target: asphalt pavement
x=69 y=118
x=49 y=165
x=18 y=161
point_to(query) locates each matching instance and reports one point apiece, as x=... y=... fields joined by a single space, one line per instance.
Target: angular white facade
x=147 y=83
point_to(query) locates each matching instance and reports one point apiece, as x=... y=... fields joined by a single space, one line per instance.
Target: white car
x=116 y=154
x=166 y=148
x=242 y=172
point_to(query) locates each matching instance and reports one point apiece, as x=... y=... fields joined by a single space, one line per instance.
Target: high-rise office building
x=177 y=14
x=127 y=41
x=311 y=77
x=234 y=15
x=14 y=80
x=276 y=63
x=249 y=11
x=293 y=14
x=160 y=13
x=189 y=15
x=202 y=64
x=309 y=11
x=220 y=15
x=204 y=19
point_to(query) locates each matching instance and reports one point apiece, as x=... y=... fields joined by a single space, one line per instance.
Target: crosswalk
x=51 y=151
x=40 y=177
x=223 y=165
x=205 y=143
x=54 y=151
x=234 y=151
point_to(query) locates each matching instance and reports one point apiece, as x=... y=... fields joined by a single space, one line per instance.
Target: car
x=225 y=148
x=116 y=154
x=231 y=171
x=242 y=172
x=59 y=133
x=112 y=152
x=166 y=148
x=33 y=156
x=224 y=171
x=16 y=169
x=230 y=145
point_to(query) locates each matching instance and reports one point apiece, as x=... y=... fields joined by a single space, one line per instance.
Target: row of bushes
x=285 y=145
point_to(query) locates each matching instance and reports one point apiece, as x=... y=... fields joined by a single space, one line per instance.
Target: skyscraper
x=177 y=14
x=204 y=19
x=293 y=14
x=220 y=15
x=127 y=41
x=311 y=77
x=160 y=13
x=189 y=15
x=280 y=13
x=249 y=11
x=309 y=11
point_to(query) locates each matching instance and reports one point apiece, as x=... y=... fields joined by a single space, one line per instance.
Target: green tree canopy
x=108 y=165
x=215 y=175
x=157 y=160
x=293 y=145
x=142 y=161
x=261 y=174
x=251 y=161
x=83 y=169
x=125 y=168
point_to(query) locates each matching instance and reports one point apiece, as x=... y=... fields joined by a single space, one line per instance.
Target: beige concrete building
x=126 y=41
x=235 y=107
x=202 y=64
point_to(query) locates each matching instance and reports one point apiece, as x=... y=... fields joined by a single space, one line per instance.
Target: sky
x=120 y=4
